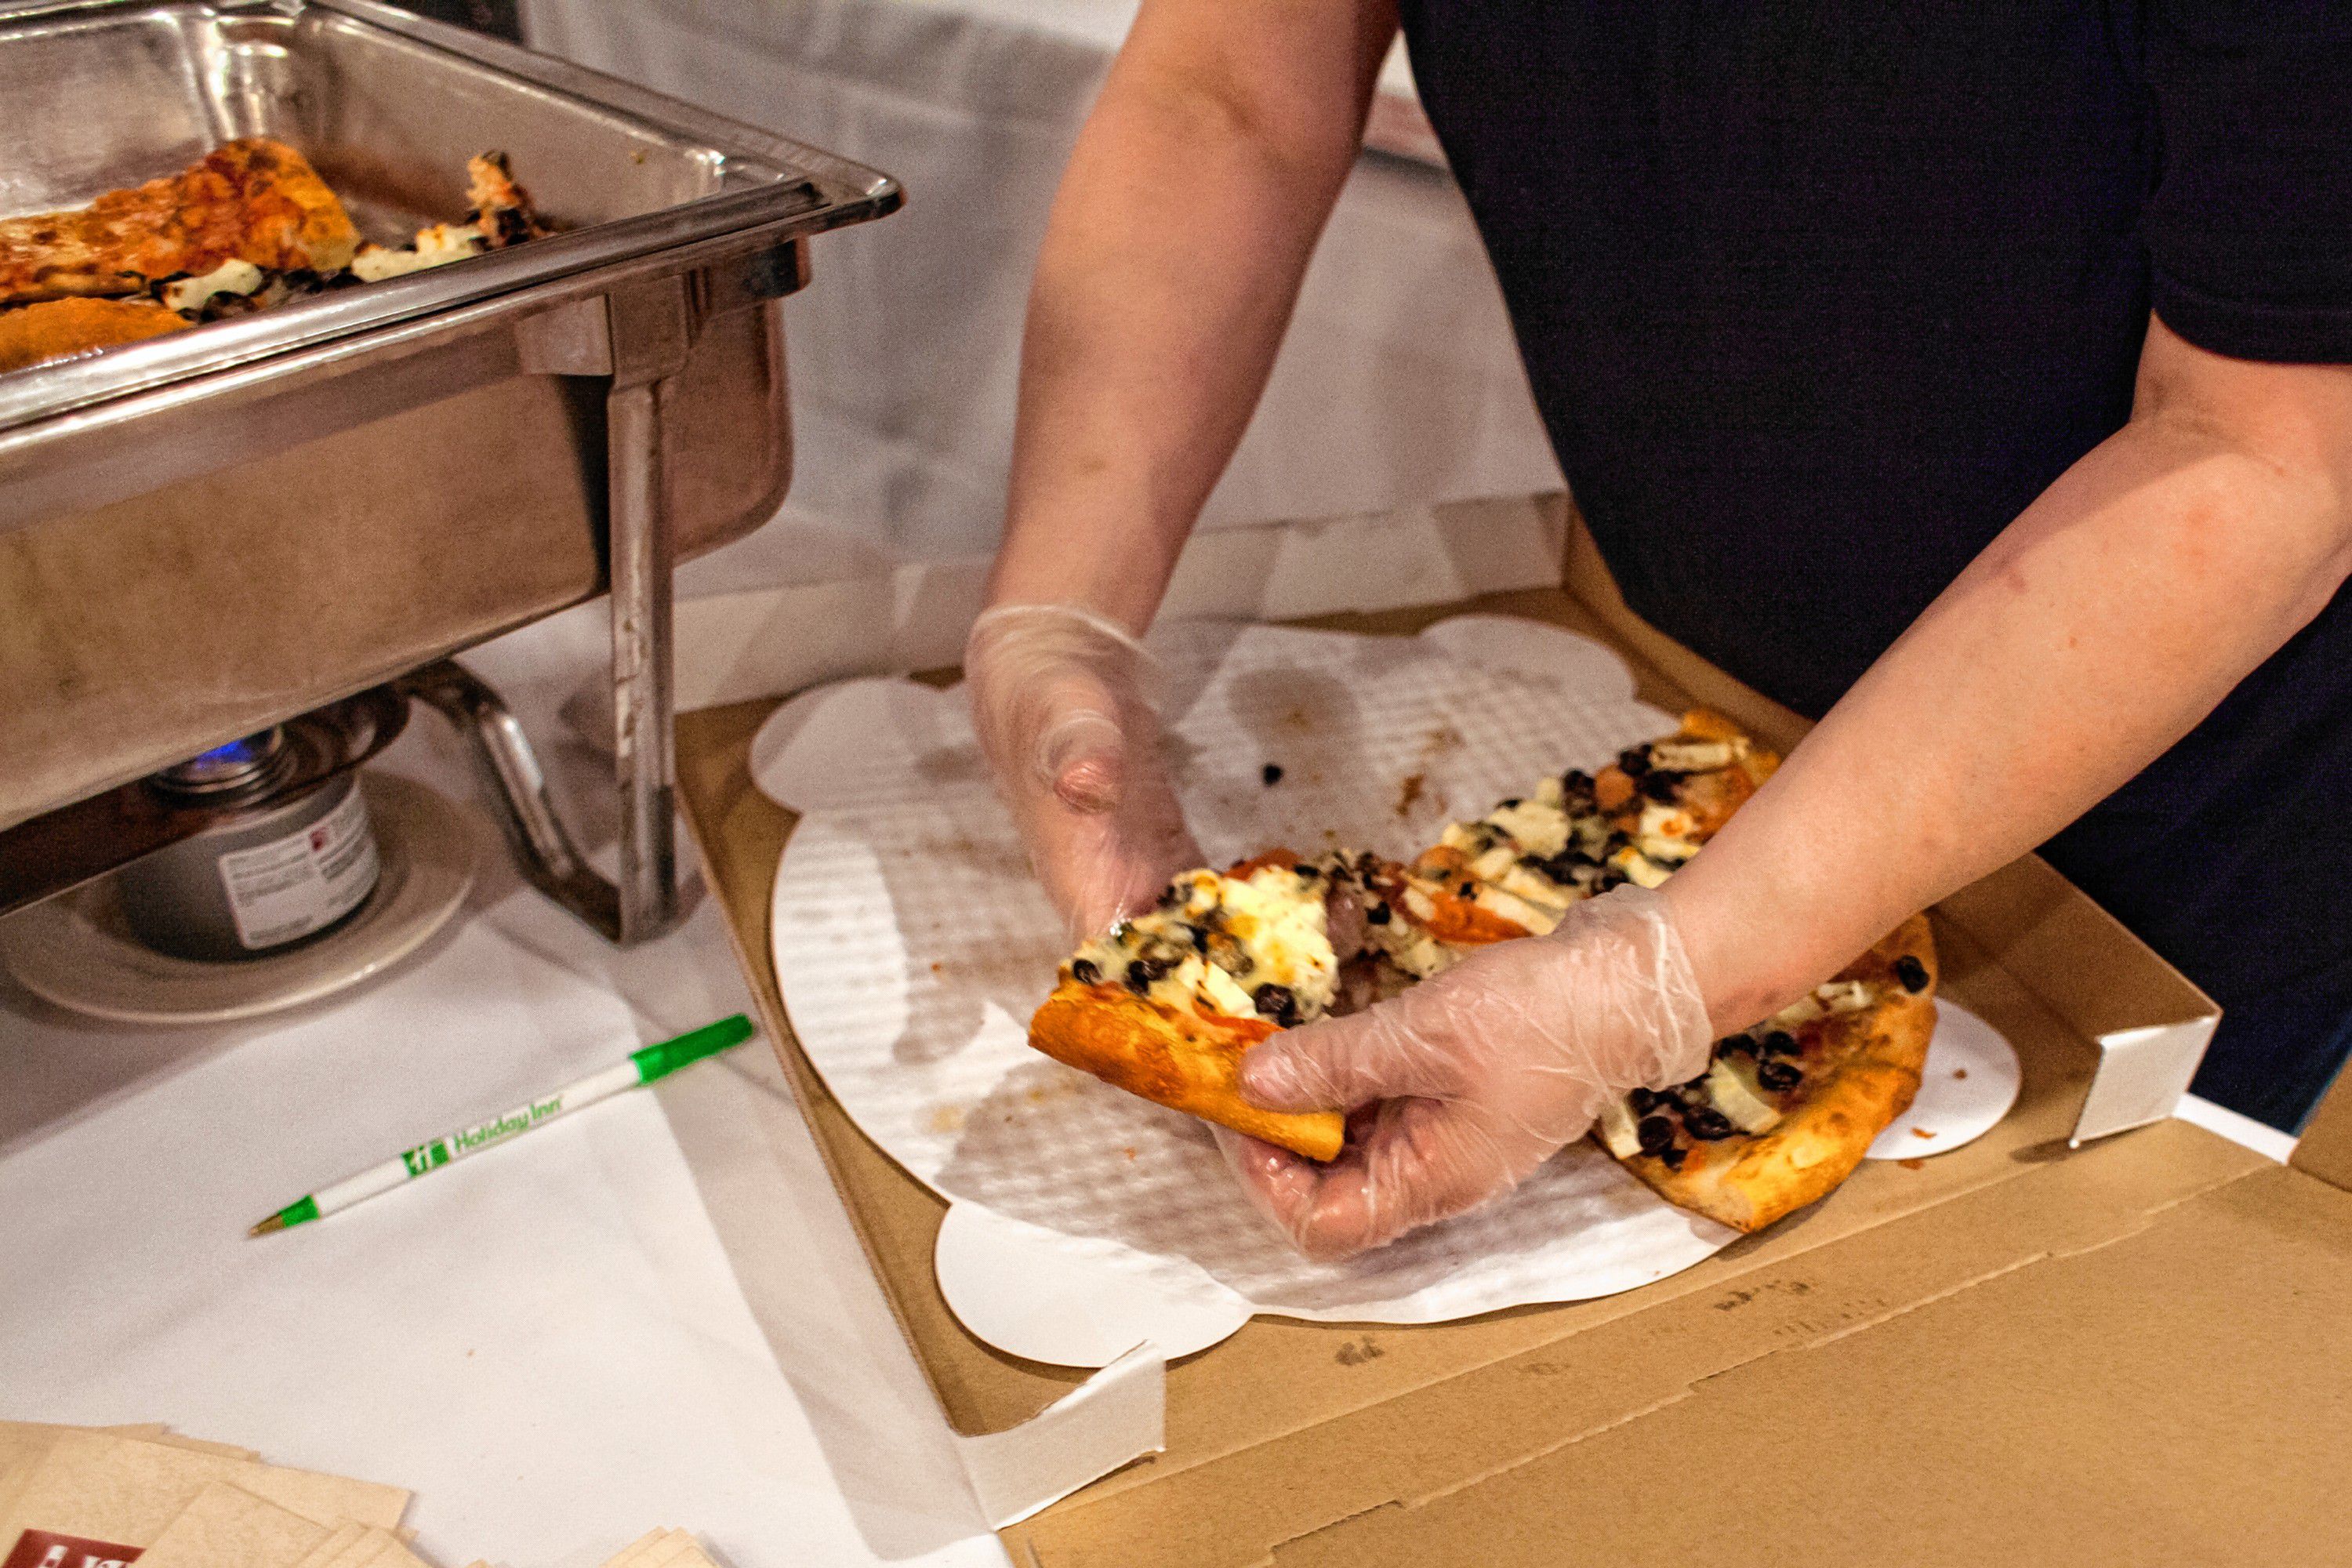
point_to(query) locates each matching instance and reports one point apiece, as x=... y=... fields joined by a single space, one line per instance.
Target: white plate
x=76 y=950
x=1970 y=1082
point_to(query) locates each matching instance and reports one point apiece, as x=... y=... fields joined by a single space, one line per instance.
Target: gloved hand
x=1479 y=1075
x=1057 y=699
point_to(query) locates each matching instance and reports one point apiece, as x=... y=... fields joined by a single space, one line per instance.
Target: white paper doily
x=911 y=946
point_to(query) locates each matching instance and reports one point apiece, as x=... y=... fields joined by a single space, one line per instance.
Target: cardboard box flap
x=2324 y=1150
x=1120 y=1410
x=1416 y=1449
x=2174 y=1394
x=2150 y=1024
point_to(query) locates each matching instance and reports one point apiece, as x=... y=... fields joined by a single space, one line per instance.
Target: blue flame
x=247 y=750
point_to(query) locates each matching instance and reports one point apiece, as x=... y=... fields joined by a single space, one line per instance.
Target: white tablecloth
x=652 y=1312
x=1398 y=384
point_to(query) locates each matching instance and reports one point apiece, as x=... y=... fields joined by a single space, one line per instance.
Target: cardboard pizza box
x=2095 y=1335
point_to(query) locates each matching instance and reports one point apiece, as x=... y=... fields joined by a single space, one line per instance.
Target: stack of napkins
x=661 y=1549
x=102 y=1497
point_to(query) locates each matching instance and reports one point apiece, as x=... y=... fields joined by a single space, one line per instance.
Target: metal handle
x=517 y=787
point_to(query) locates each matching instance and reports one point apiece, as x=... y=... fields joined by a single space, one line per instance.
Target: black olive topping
x=1276 y=1002
x=1171 y=895
x=1735 y=1045
x=1778 y=1075
x=1576 y=783
x=1271 y=774
x=1656 y=1133
x=1912 y=973
x=1673 y=1157
x=1633 y=761
x=1200 y=939
x=1780 y=1043
x=1661 y=786
x=1561 y=868
x=1085 y=971
x=1705 y=1122
x=1511 y=804
x=1698 y=1082
x=1377 y=915
x=1138 y=977
x=1308 y=874
x=1643 y=1099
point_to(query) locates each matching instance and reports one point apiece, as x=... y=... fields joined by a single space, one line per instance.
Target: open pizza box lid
x=2094 y=1325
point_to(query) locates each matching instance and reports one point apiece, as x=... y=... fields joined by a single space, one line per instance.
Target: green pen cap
x=658 y=1061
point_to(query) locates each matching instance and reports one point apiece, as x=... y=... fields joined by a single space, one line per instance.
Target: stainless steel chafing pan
x=206 y=533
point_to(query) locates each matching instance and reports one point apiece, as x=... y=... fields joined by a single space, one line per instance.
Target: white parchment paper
x=911 y=946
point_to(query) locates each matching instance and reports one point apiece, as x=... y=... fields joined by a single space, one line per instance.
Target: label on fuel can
x=303 y=882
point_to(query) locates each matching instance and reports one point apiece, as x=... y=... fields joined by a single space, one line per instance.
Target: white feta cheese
x=1512 y=908
x=1619 y=1129
x=1738 y=1097
x=1693 y=756
x=435 y=247
x=1539 y=827
x=1639 y=869
x=1843 y=996
x=190 y=295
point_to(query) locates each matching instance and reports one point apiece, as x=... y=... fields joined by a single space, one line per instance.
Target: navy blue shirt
x=1816 y=297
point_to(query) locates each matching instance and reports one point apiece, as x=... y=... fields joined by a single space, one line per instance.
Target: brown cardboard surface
x=2326 y=1147
x=2175 y=1396
x=1291 y=1439
x=1428 y=1442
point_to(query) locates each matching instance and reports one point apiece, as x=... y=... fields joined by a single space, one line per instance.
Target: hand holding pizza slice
x=1478 y=1075
x=1383 y=1046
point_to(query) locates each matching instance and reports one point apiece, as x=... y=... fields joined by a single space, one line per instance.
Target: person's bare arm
x=2095 y=631
x=1169 y=271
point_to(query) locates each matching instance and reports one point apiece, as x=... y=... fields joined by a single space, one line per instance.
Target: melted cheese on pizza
x=1239 y=947
x=436 y=247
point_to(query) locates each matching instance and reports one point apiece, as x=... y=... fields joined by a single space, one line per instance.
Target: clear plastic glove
x=1477 y=1076
x=1058 y=701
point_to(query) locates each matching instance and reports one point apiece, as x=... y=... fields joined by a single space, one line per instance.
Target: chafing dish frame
x=622 y=301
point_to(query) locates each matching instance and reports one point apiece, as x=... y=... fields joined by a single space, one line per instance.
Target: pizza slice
x=254 y=201
x=1786 y=1111
x=1515 y=871
x=1164 y=1004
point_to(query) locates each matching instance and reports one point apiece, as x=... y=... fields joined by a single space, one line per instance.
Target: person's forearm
x=2095 y=631
x=1169 y=271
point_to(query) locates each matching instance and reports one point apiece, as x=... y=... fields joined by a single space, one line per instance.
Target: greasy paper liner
x=911 y=946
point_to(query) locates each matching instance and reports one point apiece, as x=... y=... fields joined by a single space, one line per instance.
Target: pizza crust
x=55 y=328
x=1873 y=1060
x=1184 y=1060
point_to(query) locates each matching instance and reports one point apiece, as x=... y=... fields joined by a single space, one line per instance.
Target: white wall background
x=1397 y=387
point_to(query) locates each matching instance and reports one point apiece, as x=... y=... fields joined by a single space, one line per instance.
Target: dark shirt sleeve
x=2249 y=227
